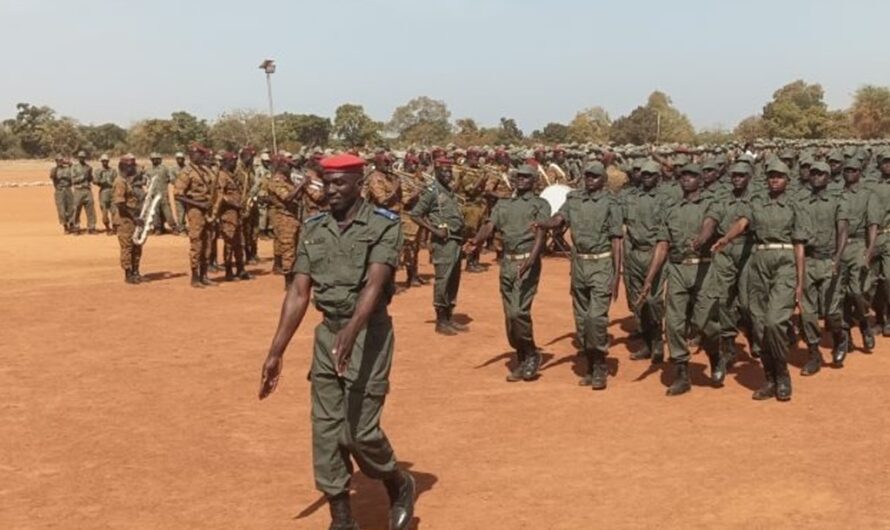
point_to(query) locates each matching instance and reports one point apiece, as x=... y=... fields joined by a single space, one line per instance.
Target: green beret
x=595 y=168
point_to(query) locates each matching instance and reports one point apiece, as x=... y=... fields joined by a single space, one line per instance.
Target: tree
x=797 y=110
x=657 y=121
x=29 y=125
x=353 y=127
x=304 y=129
x=421 y=120
x=186 y=128
x=590 y=125
x=105 y=137
x=871 y=112
x=509 y=132
x=10 y=147
x=152 y=135
x=238 y=128
x=750 y=129
x=716 y=136
x=839 y=124
x=553 y=133
x=62 y=136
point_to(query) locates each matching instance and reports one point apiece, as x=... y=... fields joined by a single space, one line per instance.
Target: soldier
x=470 y=184
x=247 y=181
x=439 y=213
x=520 y=266
x=104 y=179
x=265 y=223
x=689 y=260
x=194 y=188
x=595 y=219
x=82 y=194
x=126 y=218
x=285 y=198
x=174 y=175
x=777 y=270
x=60 y=175
x=879 y=248
x=228 y=212
x=347 y=261
x=163 y=214
x=642 y=212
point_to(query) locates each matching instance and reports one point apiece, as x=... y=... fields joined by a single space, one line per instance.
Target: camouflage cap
x=595 y=168
x=740 y=167
x=777 y=166
x=527 y=170
x=820 y=167
x=650 y=166
x=693 y=169
x=104 y=158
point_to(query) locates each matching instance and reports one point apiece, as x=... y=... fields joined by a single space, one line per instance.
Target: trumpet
x=410 y=183
x=297 y=178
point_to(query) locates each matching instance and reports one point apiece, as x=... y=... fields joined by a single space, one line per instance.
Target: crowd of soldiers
x=709 y=242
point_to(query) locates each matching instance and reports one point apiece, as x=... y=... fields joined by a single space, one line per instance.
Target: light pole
x=268 y=66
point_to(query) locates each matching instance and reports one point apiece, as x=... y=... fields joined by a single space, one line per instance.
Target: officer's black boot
x=532 y=364
x=196 y=279
x=276 y=267
x=868 y=337
x=587 y=380
x=442 y=325
x=600 y=371
x=768 y=390
x=783 y=382
x=681 y=383
x=841 y=346
x=454 y=325
x=814 y=363
x=516 y=373
x=341 y=513
x=401 y=490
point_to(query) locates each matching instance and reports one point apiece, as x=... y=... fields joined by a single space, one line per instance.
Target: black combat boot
x=516 y=373
x=600 y=371
x=454 y=325
x=276 y=267
x=128 y=276
x=401 y=489
x=768 y=390
x=196 y=279
x=341 y=513
x=203 y=277
x=718 y=361
x=442 y=325
x=642 y=354
x=587 y=380
x=814 y=363
x=657 y=351
x=783 y=383
x=240 y=273
x=868 y=337
x=532 y=364
x=681 y=383
x=841 y=346
x=230 y=273
x=729 y=351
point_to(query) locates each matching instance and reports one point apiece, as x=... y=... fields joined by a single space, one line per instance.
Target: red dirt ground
x=135 y=407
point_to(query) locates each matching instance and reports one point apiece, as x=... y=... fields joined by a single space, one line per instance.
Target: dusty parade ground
x=135 y=407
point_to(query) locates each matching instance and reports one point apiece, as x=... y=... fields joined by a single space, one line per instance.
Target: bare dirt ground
x=135 y=407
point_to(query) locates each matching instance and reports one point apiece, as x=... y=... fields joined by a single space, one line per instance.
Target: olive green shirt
x=104 y=178
x=338 y=260
x=863 y=209
x=643 y=214
x=81 y=175
x=882 y=191
x=824 y=209
x=165 y=178
x=681 y=226
x=440 y=205
x=594 y=218
x=61 y=177
x=512 y=216
x=779 y=220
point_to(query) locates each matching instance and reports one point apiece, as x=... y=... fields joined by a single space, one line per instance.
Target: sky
x=533 y=60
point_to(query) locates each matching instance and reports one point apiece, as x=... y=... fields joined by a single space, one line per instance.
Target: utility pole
x=268 y=66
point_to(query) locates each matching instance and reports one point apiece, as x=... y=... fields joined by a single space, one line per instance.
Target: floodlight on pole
x=268 y=66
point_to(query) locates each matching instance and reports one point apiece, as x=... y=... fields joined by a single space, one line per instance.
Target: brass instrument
x=504 y=176
x=314 y=184
x=149 y=210
x=409 y=182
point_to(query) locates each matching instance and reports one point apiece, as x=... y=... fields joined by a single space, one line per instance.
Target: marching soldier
x=60 y=175
x=126 y=218
x=174 y=175
x=104 y=178
x=82 y=194
x=347 y=261
x=265 y=223
x=879 y=248
x=194 y=188
x=228 y=212
x=247 y=179
x=595 y=219
x=163 y=214
x=438 y=212
x=285 y=198
x=520 y=266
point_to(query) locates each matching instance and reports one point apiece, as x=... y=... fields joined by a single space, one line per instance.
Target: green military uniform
x=511 y=217
x=881 y=189
x=180 y=209
x=82 y=195
x=595 y=219
x=61 y=179
x=346 y=410
x=440 y=205
x=104 y=179
x=863 y=210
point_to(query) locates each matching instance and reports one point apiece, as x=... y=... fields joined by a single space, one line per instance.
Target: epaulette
x=316 y=217
x=392 y=216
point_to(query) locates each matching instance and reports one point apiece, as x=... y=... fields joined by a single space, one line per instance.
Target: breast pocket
x=317 y=249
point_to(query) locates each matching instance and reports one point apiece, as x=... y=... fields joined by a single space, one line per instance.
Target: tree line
x=797 y=110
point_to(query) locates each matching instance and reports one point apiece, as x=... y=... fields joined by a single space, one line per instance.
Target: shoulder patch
x=392 y=216
x=316 y=217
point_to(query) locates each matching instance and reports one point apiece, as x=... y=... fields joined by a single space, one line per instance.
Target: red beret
x=228 y=155
x=444 y=161
x=196 y=147
x=343 y=163
x=248 y=149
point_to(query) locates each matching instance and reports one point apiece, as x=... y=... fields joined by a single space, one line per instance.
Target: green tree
x=590 y=125
x=716 y=136
x=657 y=121
x=62 y=136
x=30 y=126
x=553 y=133
x=797 y=110
x=750 y=129
x=871 y=112
x=186 y=128
x=304 y=129
x=152 y=135
x=354 y=128
x=238 y=128
x=105 y=137
x=509 y=132
x=421 y=120
x=10 y=147
x=638 y=127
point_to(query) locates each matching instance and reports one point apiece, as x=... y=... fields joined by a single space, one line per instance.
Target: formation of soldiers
x=709 y=242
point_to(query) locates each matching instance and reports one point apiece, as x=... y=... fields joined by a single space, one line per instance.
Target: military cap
x=681 y=160
x=154 y=155
x=820 y=167
x=179 y=154
x=526 y=169
x=710 y=164
x=777 y=166
x=835 y=156
x=806 y=160
x=740 y=167
x=787 y=154
x=265 y=156
x=595 y=168
x=104 y=158
x=691 y=168
x=81 y=154
x=196 y=147
x=746 y=158
x=344 y=163
x=444 y=161
x=651 y=167
x=883 y=156
x=853 y=163
x=228 y=155
x=637 y=163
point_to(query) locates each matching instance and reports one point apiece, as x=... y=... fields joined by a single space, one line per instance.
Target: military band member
x=246 y=177
x=285 y=198
x=346 y=262
x=194 y=188
x=163 y=215
x=469 y=183
x=126 y=218
x=174 y=174
x=227 y=211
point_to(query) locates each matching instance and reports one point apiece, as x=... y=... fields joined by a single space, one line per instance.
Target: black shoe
x=868 y=338
x=814 y=364
x=658 y=353
x=401 y=490
x=587 y=379
x=718 y=367
x=128 y=277
x=532 y=364
x=783 y=387
x=442 y=325
x=641 y=354
x=681 y=383
x=841 y=346
x=767 y=391
x=230 y=276
x=728 y=349
x=244 y=275
x=600 y=372
x=885 y=330
x=196 y=279
x=341 y=513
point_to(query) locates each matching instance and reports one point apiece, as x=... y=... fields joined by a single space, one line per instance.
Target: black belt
x=819 y=255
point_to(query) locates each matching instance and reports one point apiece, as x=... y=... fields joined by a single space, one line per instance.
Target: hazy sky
x=533 y=60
